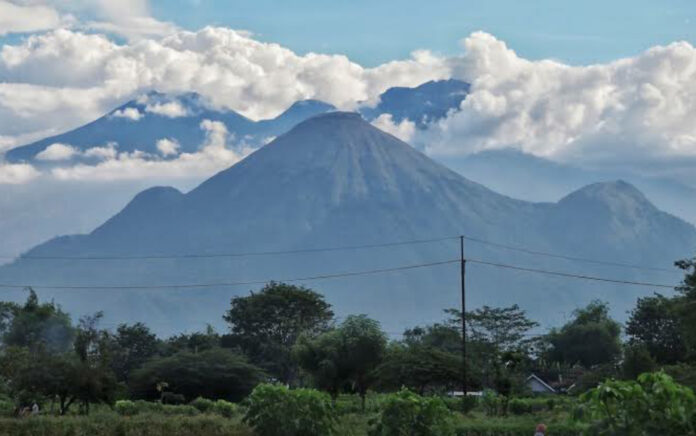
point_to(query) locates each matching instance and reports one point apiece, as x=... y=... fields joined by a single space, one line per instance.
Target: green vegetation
x=287 y=368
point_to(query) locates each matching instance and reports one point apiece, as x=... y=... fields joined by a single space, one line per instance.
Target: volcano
x=335 y=180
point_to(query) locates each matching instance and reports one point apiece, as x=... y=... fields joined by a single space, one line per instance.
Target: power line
x=229 y=284
x=347 y=274
x=241 y=254
x=561 y=256
x=570 y=275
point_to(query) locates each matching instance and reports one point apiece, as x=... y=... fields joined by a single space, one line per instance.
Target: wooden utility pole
x=462 y=262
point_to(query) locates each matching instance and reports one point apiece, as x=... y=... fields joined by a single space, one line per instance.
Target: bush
x=225 y=408
x=504 y=428
x=180 y=410
x=7 y=408
x=407 y=413
x=203 y=405
x=490 y=402
x=518 y=406
x=149 y=406
x=275 y=410
x=655 y=404
x=126 y=408
x=463 y=404
x=172 y=398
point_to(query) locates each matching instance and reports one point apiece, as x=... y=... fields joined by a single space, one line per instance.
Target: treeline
x=289 y=334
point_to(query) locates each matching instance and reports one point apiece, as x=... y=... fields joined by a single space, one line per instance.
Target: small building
x=539 y=386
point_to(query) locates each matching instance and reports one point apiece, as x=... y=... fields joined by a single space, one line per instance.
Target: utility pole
x=462 y=262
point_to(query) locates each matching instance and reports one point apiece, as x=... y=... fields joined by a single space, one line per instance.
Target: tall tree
x=687 y=303
x=591 y=338
x=266 y=325
x=347 y=355
x=655 y=324
x=133 y=345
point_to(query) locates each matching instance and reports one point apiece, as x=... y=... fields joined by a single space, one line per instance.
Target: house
x=539 y=386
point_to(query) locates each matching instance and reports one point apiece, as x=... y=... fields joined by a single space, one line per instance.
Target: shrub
x=179 y=410
x=407 y=413
x=518 y=406
x=550 y=404
x=654 y=404
x=172 y=398
x=225 y=408
x=203 y=405
x=490 y=401
x=149 y=406
x=126 y=408
x=463 y=404
x=275 y=410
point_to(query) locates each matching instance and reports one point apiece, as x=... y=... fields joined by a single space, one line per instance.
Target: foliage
x=114 y=425
x=126 y=408
x=275 y=410
x=655 y=324
x=267 y=324
x=347 y=354
x=36 y=326
x=203 y=405
x=215 y=373
x=407 y=413
x=591 y=338
x=652 y=405
x=132 y=345
x=637 y=360
x=422 y=362
x=193 y=342
x=225 y=408
x=518 y=406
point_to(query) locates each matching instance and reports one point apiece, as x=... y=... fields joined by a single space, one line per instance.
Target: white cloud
x=57 y=152
x=215 y=154
x=639 y=109
x=403 y=130
x=172 y=109
x=130 y=113
x=14 y=174
x=21 y=17
x=168 y=147
x=65 y=78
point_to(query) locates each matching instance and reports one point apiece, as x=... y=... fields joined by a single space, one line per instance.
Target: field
x=181 y=421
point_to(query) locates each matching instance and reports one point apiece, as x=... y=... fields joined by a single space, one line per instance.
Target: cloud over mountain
x=639 y=108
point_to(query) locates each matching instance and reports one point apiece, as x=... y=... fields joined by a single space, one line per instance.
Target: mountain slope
x=140 y=123
x=336 y=181
x=532 y=178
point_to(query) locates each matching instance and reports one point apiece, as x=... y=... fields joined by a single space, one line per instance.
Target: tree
x=655 y=323
x=636 y=361
x=591 y=338
x=348 y=354
x=132 y=346
x=266 y=325
x=498 y=344
x=35 y=325
x=194 y=342
x=687 y=302
x=652 y=405
x=419 y=367
x=216 y=374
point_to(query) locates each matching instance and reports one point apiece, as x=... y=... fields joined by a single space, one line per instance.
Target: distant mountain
x=428 y=102
x=139 y=124
x=532 y=178
x=335 y=181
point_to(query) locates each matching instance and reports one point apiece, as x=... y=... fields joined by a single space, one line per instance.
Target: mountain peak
x=609 y=191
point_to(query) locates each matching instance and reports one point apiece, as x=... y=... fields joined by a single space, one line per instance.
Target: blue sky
x=371 y=32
